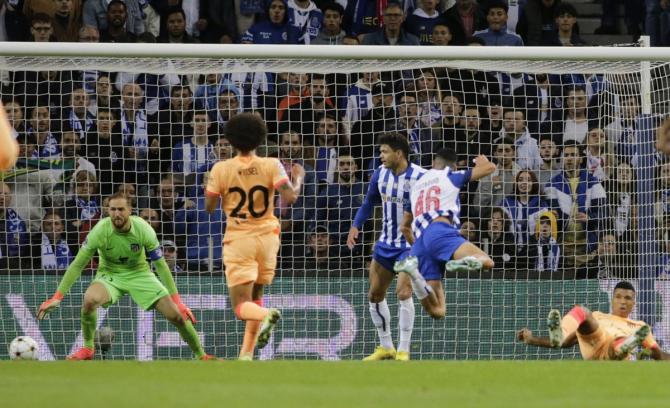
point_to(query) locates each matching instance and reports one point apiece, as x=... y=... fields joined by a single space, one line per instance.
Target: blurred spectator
x=171 y=125
x=550 y=155
x=225 y=21
x=71 y=152
x=222 y=149
x=331 y=32
x=381 y=118
x=633 y=17
x=537 y=98
x=41 y=28
x=105 y=150
x=14 y=236
x=663 y=194
x=428 y=97
x=275 y=30
x=544 y=251
x=292 y=218
x=133 y=122
x=82 y=209
x=575 y=124
x=194 y=156
x=656 y=22
x=581 y=204
x=523 y=208
x=536 y=24
x=176 y=28
x=88 y=34
x=357 y=103
x=408 y=124
x=329 y=138
x=598 y=156
x=170 y=202
x=476 y=140
x=15 y=117
x=527 y=150
x=96 y=15
x=56 y=253
x=498 y=241
x=464 y=19
x=66 y=20
x=469 y=230
x=497 y=32
x=170 y=255
x=129 y=190
x=350 y=40
x=77 y=117
x=441 y=34
x=151 y=216
x=392 y=32
x=621 y=132
x=493 y=188
x=104 y=95
x=621 y=199
x=14 y=25
x=203 y=232
x=229 y=104
x=321 y=250
x=298 y=88
x=306 y=17
x=302 y=118
x=611 y=261
x=40 y=127
x=338 y=203
x=567 y=29
x=117 y=29
x=422 y=21
x=362 y=17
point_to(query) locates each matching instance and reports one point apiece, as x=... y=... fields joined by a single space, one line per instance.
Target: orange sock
x=250 y=335
x=571 y=321
x=250 y=311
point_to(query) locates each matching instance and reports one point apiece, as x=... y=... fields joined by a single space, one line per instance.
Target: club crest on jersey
x=135 y=247
x=407 y=186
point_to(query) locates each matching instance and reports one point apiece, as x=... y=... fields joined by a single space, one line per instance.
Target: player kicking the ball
x=246 y=185
x=390 y=186
x=122 y=241
x=435 y=208
x=601 y=336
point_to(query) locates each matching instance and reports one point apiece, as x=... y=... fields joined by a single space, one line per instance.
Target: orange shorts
x=595 y=346
x=251 y=259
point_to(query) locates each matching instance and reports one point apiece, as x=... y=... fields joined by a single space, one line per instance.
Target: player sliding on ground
x=436 y=208
x=601 y=336
x=246 y=185
x=390 y=186
x=122 y=242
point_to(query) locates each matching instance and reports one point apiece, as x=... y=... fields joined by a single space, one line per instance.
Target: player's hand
x=524 y=335
x=183 y=309
x=352 y=237
x=481 y=160
x=297 y=171
x=49 y=306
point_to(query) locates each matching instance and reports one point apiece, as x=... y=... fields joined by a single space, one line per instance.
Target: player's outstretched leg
x=95 y=295
x=624 y=347
x=577 y=319
x=168 y=308
x=267 y=325
x=468 y=257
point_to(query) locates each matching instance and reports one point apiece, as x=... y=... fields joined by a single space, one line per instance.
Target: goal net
x=580 y=198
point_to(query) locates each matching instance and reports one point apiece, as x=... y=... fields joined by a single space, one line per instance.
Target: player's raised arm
x=483 y=167
x=526 y=336
x=72 y=273
x=371 y=199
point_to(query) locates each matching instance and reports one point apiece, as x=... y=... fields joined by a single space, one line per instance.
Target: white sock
x=405 y=323
x=381 y=317
x=420 y=287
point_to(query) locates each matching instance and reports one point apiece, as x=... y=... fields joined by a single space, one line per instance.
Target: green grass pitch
x=384 y=384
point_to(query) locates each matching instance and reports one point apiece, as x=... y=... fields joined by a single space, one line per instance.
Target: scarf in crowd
x=523 y=216
x=548 y=256
x=75 y=124
x=87 y=209
x=56 y=256
x=135 y=134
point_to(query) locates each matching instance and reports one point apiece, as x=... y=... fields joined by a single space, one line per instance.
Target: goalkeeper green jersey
x=122 y=252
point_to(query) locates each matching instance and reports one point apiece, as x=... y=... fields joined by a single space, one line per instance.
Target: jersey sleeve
x=150 y=242
x=372 y=198
x=213 y=185
x=94 y=239
x=460 y=178
x=279 y=176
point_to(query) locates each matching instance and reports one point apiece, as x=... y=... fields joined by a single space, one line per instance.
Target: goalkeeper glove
x=49 y=305
x=183 y=309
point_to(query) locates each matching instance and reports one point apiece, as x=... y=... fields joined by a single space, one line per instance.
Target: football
x=23 y=348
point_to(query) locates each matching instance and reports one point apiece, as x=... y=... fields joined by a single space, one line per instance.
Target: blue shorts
x=386 y=255
x=435 y=247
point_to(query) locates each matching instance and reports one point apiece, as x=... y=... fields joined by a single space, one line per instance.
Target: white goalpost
x=149 y=119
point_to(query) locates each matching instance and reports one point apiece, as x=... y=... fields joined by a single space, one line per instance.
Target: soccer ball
x=23 y=348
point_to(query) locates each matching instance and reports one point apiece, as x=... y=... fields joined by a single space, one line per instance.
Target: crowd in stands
x=563 y=195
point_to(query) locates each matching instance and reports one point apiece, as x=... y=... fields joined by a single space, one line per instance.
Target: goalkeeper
x=121 y=241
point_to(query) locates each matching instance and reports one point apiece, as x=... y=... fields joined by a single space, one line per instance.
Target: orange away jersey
x=618 y=327
x=247 y=186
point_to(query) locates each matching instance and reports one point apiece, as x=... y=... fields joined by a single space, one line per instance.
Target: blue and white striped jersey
x=393 y=193
x=436 y=195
